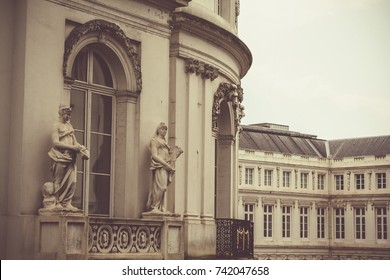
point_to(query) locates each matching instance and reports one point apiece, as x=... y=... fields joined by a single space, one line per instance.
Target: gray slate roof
x=287 y=142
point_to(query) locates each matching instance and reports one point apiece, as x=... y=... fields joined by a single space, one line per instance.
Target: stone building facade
x=314 y=199
x=123 y=66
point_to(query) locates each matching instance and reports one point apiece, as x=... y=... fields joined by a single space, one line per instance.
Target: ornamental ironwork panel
x=112 y=236
x=234 y=238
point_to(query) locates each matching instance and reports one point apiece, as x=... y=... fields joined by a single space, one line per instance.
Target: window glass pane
x=101 y=72
x=99 y=194
x=77 y=199
x=100 y=160
x=77 y=103
x=79 y=70
x=101 y=113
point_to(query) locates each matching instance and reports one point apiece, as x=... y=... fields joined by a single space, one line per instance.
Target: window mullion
x=88 y=142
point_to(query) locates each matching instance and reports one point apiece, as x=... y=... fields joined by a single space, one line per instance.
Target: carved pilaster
x=126 y=96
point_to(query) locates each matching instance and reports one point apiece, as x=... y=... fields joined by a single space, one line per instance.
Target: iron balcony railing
x=234 y=239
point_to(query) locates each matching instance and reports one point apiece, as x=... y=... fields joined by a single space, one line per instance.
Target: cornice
x=182 y=21
x=169 y=4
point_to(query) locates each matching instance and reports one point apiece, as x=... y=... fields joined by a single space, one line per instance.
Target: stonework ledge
x=154 y=215
x=60 y=212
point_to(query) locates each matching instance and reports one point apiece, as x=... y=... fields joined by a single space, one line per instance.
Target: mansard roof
x=262 y=138
x=281 y=141
x=357 y=147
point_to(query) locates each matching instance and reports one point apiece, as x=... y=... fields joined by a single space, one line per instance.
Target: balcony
x=234 y=239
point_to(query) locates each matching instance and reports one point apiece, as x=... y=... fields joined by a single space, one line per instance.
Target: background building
x=314 y=199
x=124 y=66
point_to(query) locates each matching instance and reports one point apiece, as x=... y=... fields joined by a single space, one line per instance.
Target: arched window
x=93 y=110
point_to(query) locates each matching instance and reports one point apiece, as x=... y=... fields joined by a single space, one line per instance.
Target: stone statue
x=58 y=194
x=162 y=167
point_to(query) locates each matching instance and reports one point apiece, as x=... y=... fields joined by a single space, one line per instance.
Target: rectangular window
x=92 y=116
x=286 y=179
x=339 y=223
x=304 y=180
x=381 y=180
x=249 y=176
x=320 y=222
x=381 y=223
x=321 y=181
x=286 y=221
x=304 y=221
x=360 y=223
x=339 y=179
x=268 y=178
x=249 y=211
x=268 y=220
x=359 y=181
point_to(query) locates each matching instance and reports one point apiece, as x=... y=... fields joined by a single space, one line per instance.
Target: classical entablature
x=102 y=30
x=230 y=93
x=217 y=34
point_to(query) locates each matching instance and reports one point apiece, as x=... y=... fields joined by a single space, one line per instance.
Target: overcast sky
x=320 y=66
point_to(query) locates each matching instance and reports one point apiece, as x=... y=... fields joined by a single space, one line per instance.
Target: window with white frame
x=360 y=223
x=320 y=223
x=268 y=209
x=249 y=176
x=380 y=180
x=321 y=181
x=286 y=179
x=359 y=181
x=339 y=223
x=381 y=223
x=304 y=180
x=303 y=222
x=249 y=211
x=286 y=221
x=92 y=103
x=267 y=177
x=339 y=182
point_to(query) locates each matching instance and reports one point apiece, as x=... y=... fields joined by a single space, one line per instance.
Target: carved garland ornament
x=104 y=28
x=231 y=93
x=205 y=70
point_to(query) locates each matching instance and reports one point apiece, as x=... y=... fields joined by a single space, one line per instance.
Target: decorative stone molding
x=231 y=93
x=129 y=238
x=200 y=68
x=250 y=200
x=126 y=96
x=208 y=31
x=104 y=30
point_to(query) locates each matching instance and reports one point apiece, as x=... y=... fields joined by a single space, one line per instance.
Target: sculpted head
x=161 y=129
x=64 y=112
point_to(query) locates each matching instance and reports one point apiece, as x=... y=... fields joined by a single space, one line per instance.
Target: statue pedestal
x=172 y=234
x=61 y=236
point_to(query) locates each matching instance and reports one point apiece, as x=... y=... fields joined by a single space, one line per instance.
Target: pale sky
x=320 y=66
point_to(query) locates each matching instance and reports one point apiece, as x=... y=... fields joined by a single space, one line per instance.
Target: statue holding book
x=163 y=160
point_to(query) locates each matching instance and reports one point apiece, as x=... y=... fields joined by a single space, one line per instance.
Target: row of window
x=339 y=221
x=380 y=179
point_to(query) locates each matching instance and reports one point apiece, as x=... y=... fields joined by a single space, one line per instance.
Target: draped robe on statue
x=64 y=166
x=161 y=177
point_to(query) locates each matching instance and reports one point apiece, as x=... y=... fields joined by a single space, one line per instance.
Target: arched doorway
x=227 y=113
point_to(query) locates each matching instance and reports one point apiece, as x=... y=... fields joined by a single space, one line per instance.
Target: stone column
x=127 y=196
